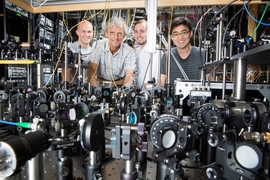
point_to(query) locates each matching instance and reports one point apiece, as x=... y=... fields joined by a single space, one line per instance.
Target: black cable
x=188 y=167
x=23 y=23
x=216 y=16
x=220 y=62
x=205 y=33
x=229 y=23
x=35 y=29
x=146 y=72
x=11 y=24
x=199 y=167
x=238 y=21
x=151 y=160
x=223 y=39
x=263 y=176
x=81 y=162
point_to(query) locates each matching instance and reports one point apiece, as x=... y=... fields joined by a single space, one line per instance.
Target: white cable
x=200 y=22
x=164 y=41
x=130 y=31
x=31 y=3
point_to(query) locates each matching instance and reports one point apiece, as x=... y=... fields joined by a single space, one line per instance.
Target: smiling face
x=181 y=36
x=140 y=34
x=115 y=36
x=85 y=33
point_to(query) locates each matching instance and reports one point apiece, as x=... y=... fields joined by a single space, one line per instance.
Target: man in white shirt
x=144 y=58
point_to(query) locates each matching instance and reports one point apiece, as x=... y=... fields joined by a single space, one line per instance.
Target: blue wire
x=253 y=17
x=6 y=122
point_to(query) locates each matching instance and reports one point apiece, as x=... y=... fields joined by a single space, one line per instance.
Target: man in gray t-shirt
x=85 y=52
x=85 y=35
x=186 y=61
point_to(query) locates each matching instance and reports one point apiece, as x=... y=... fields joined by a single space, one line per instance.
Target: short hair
x=181 y=21
x=141 y=21
x=116 y=22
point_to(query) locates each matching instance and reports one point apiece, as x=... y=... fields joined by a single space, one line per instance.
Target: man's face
x=116 y=36
x=140 y=34
x=181 y=36
x=85 y=32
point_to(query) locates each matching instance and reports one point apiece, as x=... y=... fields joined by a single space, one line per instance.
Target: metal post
x=29 y=81
x=3 y=20
x=151 y=26
x=2 y=110
x=220 y=37
x=93 y=168
x=239 y=81
x=239 y=86
x=267 y=73
x=35 y=168
x=161 y=171
x=129 y=173
x=169 y=60
x=66 y=59
x=217 y=43
x=224 y=81
x=40 y=77
x=129 y=166
x=150 y=66
x=93 y=158
x=79 y=67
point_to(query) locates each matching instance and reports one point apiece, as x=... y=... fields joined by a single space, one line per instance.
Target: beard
x=141 y=43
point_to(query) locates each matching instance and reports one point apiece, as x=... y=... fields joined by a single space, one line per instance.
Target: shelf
x=260 y=53
x=25 y=61
x=53 y=63
x=218 y=62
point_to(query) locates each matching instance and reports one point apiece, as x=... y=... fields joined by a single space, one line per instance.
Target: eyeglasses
x=183 y=34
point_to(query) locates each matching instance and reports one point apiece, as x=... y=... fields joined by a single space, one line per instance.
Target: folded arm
x=129 y=76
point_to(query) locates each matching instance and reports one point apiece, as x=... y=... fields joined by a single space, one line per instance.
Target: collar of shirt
x=139 y=49
x=145 y=48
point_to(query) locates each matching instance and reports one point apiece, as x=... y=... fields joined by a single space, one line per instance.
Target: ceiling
x=37 y=3
x=47 y=6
